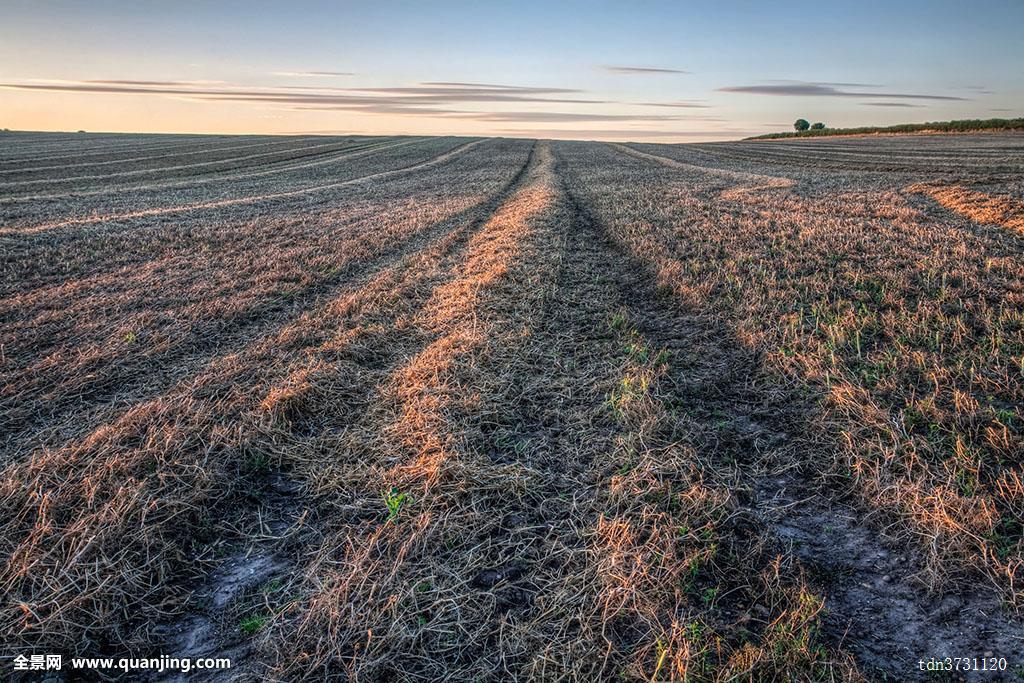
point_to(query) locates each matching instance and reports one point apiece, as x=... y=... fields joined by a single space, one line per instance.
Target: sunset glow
x=664 y=72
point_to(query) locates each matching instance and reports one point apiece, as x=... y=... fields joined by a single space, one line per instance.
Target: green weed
x=394 y=502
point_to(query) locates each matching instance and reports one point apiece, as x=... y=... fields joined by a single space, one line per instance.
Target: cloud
x=837 y=84
x=486 y=103
x=890 y=104
x=683 y=104
x=642 y=70
x=104 y=87
x=312 y=74
x=492 y=86
x=369 y=107
x=413 y=100
x=551 y=117
x=479 y=92
x=420 y=97
x=801 y=89
x=501 y=116
x=159 y=84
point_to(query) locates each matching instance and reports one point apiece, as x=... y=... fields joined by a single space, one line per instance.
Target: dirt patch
x=878 y=606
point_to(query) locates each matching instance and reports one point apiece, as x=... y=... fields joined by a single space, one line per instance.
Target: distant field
x=962 y=126
x=490 y=409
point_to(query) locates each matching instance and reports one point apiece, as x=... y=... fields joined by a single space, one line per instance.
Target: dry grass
x=501 y=409
x=977 y=206
x=159 y=471
x=908 y=329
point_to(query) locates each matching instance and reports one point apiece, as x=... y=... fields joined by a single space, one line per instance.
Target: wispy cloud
x=312 y=74
x=484 y=103
x=481 y=102
x=492 y=86
x=552 y=117
x=366 y=106
x=417 y=98
x=478 y=92
x=641 y=70
x=891 y=104
x=837 y=84
x=802 y=89
x=115 y=87
x=683 y=104
x=184 y=84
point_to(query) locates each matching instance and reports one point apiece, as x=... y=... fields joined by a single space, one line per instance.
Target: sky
x=642 y=70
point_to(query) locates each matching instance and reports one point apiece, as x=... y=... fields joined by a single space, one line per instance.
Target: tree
x=801 y=124
x=818 y=126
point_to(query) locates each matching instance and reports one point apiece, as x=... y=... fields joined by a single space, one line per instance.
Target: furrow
x=222 y=203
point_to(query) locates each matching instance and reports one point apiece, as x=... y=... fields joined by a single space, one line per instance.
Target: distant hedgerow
x=960 y=126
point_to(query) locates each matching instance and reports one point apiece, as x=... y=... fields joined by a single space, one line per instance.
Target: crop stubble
x=726 y=411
